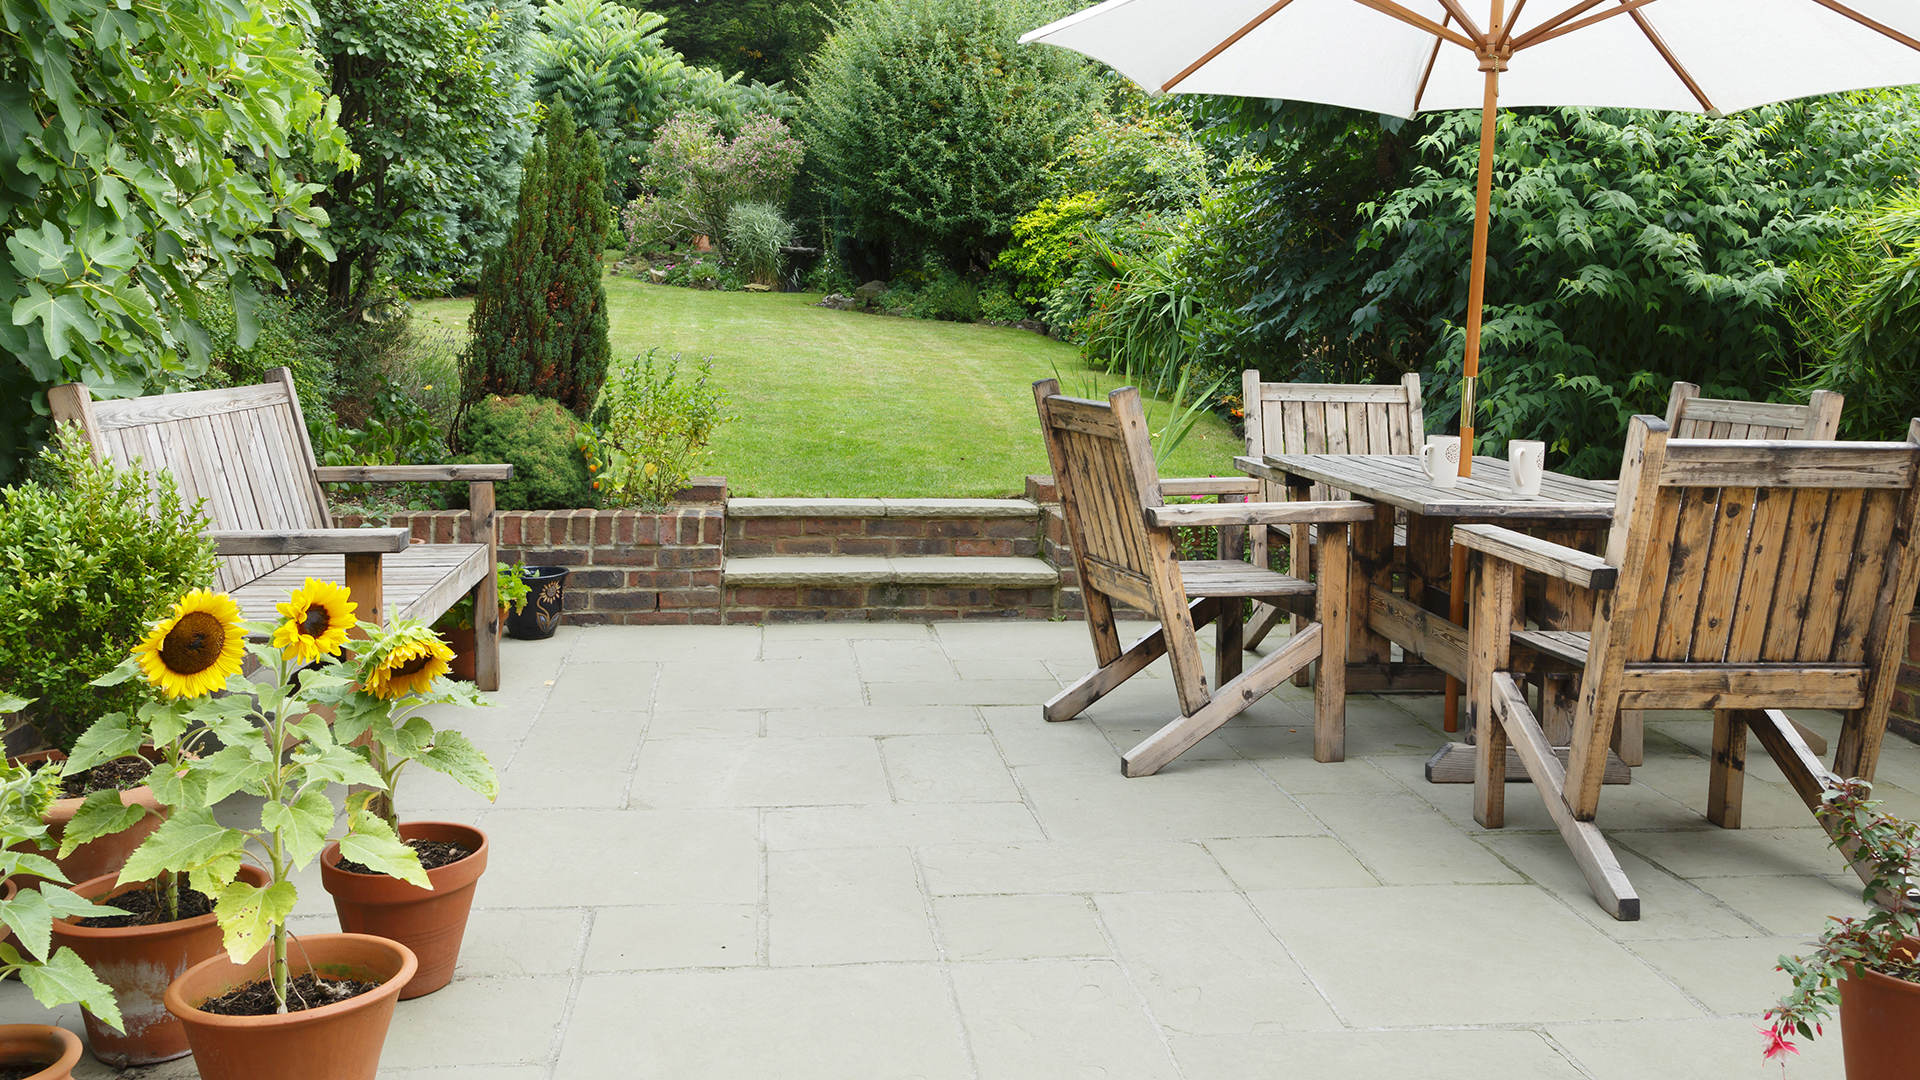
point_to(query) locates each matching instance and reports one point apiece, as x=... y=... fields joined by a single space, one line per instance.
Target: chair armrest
x=1565 y=563
x=1271 y=513
x=396 y=474
x=310 y=542
x=1210 y=485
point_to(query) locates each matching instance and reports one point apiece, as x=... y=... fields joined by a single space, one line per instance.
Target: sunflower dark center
x=314 y=622
x=413 y=666
x=194 y=644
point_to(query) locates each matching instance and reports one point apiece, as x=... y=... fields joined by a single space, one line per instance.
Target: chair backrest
x=1103 y=465
x=1738 y=554
x=243 y=449
x=1331 y=418
x=1690 y=416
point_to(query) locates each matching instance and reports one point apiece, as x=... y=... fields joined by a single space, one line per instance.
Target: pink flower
x=1778 y=1044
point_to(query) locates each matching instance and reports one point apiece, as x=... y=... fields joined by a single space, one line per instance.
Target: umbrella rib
x=1394 y=10
x=1835 y=6
x=1679 y=69
x=1539 y=35
x=1573 y=12
x=1466 y=21
x=1207 y=58
x=1506 y=29
x=1433 y=57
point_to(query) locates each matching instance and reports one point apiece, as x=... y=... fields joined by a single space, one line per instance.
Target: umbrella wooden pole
x=1470 y=367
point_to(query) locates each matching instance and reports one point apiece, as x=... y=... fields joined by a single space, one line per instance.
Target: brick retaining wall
x=1906 y=694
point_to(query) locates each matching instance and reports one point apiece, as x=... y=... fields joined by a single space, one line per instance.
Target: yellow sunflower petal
x=319 y=616
x=409 y=667
x=193 y=652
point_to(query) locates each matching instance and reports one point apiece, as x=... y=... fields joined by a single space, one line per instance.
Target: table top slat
x=1399 y=480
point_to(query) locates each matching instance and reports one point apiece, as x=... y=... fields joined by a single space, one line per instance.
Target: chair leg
x=1132 y=660
x=1330 y=683
x=1228 y=635
x=1156 y=750
x=486 y=595
x=1489 y=756
x=1727 y=774
x=1300 y=565
x=1630 y=737
x=1265 y=618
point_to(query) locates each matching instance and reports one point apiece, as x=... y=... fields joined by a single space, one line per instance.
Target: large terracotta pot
x=341 y=1041
x=109 y=853
x=430 y=922
x=32 y=1044
x=1880 y=1024
x=139 y=963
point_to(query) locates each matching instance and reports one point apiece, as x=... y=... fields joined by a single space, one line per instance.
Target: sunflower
x=192 y=653
x=318 y=615
x=408 y=665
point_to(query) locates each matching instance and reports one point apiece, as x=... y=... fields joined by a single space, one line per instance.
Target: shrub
x=537 y=437
x=695 y=175
x=292 y=335
x=932 y=127
x=756 y=232
x=651 y=428
x=539 y=322
x=998 y=305
x=90 y=556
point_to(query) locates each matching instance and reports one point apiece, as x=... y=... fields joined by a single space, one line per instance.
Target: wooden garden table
x=1568 y=510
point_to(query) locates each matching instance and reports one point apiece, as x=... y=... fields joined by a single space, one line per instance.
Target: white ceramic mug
x=1526 y=465
x=1441 y=458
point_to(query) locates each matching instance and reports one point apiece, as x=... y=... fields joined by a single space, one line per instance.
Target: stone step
x=850 y=570
x=881 y=508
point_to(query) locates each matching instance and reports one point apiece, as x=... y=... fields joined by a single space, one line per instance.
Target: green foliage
x=292 y=334
x=143 y=154
x=276 y=745
x=90 y=556
x=537 y=437
x=769 y=40
x=1855 y=317
x=998 y=305
x=931 y=127
x=1048 y=243
x=651 y=429
x=1885 y=845
x=696 y=175
x=433 y=95
x=942 y=295
x=540 y=319
x=53 y=978
x=511 y=587
x=756 y=232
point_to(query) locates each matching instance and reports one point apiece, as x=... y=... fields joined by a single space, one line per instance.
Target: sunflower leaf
x=15 y=861
x=371 y=842
x=115 y=735
x=235 y=768
x=124 y=670
x=66 y=978
x=30 y=919
x=302 y=825
x=455 y=755
x=339 y=764
x=249 y=915
x=67 y=904
x=189 y=840
x=100 y=814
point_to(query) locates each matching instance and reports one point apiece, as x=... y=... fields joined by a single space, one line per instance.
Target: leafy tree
x=539 y=321
x=769 y=40
x=144 y=152
x=434 y=96
x=932 y=127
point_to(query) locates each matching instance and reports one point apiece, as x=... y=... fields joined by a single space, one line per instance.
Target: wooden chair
x=245 y=451
x=1123 y=547
x=1690 y=416
x=1741 y=576
x=1321 y=418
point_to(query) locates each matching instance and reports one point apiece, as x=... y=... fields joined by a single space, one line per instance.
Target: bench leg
x=365 y=586
x=486 y=595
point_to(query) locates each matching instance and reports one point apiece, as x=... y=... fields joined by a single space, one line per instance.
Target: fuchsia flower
x=1778 y=1045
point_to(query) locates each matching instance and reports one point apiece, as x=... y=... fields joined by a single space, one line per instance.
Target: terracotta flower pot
x=1880 y=1024
x=463 y=641
x=139 y=963
x=109 y=853
x=430 y=922
x=341 y=1041
x=34 y=1044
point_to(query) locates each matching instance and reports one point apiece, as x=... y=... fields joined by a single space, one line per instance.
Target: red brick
x=766 y=528
x=713 y=528
x=1042 y=489
x=750 y=547
x=706 y=577
x=510 y=530
x=983 y=547
x=738 y=616
x=689 y=528
x=617 y=556
x=658 y=618
x=703 y=597
x=583 y=526
x=803 y=545
x=603 y=529
x=830 y=526
x=912 y=528
x=763 y=596
x=833 y=598
x=704 y=618
x=862 y=545
x=626 y=600
x=1011 y=528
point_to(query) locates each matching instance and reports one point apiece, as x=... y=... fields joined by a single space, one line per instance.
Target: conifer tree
x=539 y=320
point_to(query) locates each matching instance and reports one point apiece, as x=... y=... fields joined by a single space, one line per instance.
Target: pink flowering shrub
x=695 y=175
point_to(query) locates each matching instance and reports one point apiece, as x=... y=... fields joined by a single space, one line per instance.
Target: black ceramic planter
x=541 y=617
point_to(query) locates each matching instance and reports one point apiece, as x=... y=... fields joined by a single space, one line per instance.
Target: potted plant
x=1868 y=967
x=54 y=976
x=540 y=615
x=457 y=625
x=262 y=1008
x=383 y=707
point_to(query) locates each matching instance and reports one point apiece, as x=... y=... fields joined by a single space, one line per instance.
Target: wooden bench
x=1742 y=576
x=245 y=451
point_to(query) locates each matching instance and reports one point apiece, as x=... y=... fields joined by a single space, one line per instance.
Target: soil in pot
x=109 y=853
x=430 y=922
x=139 y=955
x=304 y=992
x=37 y=1052
x=340 y=1041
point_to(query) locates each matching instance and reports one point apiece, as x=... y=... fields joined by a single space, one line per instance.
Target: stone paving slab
x=844 y=852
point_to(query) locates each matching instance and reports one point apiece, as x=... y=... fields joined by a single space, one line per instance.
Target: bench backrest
x=1103 y=465
x=243 y=449
x=1331 y=418
x=1690 y=416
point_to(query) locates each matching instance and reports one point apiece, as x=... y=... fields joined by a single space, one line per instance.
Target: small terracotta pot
x=139 y=962
x=431 y=923
x=1880 y=1024
x=461 y=640
x=109 y=853
x=341 y=1041
x=34 y=1044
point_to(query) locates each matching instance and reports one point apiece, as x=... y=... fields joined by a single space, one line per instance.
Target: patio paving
x=856 y=851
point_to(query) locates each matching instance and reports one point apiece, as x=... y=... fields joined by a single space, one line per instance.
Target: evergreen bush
x=539 y=321
x=538 y=438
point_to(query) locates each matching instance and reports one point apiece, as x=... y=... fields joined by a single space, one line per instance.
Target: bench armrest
x=1533 y=553
x=396 y=474
x=1272 y=513
x=1210 y=485
x=310 y=542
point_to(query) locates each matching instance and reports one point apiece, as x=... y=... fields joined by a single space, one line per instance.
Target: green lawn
x=834 y=403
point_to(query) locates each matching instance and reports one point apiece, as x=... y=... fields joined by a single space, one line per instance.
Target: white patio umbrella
x=1404 y=57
